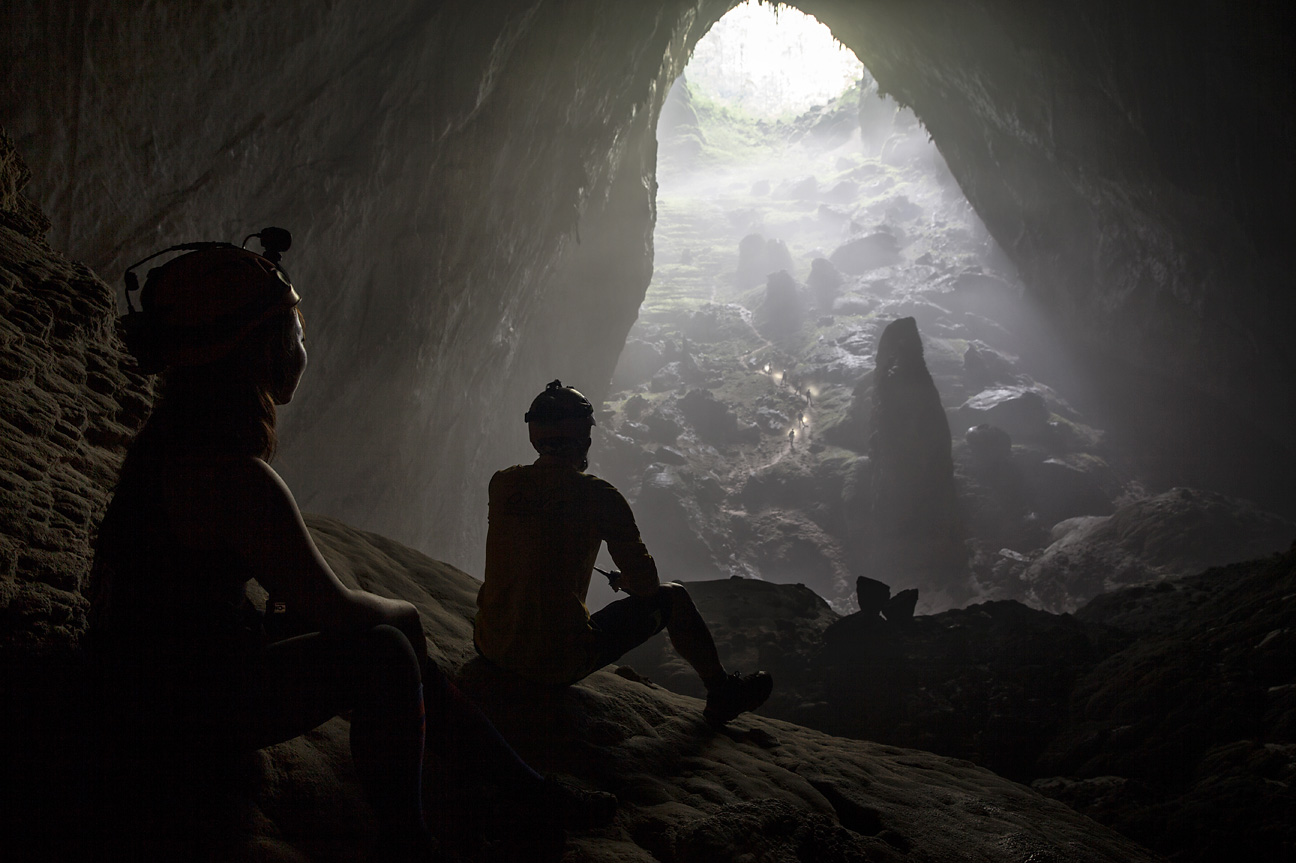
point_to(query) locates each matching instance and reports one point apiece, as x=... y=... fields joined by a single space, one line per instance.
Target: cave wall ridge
x=470 y=188
x=1133 y=160
x=69 y=401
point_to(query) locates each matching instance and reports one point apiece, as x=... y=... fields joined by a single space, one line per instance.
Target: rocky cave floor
x=1087 y=649
x=1164 y=712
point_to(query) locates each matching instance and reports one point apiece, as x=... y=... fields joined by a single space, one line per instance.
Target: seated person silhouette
x=547 y=521
x=184 y=658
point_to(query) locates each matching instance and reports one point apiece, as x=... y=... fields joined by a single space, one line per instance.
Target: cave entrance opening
x=799 y=211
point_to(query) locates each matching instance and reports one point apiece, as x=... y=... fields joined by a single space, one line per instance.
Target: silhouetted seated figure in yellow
x=184 y=657
x=547 y=521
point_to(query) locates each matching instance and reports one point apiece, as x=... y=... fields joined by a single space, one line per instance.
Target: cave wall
x=68 y=405
x=471 y=189
x=1134 y=161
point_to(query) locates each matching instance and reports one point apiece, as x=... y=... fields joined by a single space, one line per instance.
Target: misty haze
x=941 y=351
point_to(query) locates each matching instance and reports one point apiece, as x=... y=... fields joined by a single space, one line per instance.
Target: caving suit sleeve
x=617 y=527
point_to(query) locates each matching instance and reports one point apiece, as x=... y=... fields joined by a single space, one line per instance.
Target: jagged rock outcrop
x=782 y=309
x=1166 y=710
x=69 y=402
x=824 y=282
x=912 y=529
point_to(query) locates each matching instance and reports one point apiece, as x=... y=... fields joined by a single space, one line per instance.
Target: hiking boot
x=737 y=693
x=574 y=808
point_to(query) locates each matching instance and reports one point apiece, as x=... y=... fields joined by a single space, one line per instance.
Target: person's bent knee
x=677 y=591
x=388 y=648
x=680 y=601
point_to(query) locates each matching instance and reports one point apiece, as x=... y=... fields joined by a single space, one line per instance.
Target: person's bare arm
x=617 y=526
x=245 y=507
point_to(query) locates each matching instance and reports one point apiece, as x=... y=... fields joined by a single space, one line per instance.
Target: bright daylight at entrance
x=802 y=215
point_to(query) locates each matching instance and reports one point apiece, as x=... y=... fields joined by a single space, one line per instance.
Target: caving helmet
x=560 y=420
x=196 y=307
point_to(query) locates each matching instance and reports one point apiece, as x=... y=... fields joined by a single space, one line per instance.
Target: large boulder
x=639 y=361
x=758 y=257
x=1180 y=532
x=782 y=308
x=713 y=420
x=824 y=282
x=863 y=254
x=1019 y=410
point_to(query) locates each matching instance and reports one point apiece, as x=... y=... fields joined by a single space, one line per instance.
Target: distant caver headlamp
x=194 y=308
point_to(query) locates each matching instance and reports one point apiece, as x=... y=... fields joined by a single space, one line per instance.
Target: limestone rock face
x=69 y=402
x=913 y=529
x=1119 y=190
x=471 y=188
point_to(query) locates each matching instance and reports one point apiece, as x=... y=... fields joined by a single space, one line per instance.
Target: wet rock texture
x=69 y=401
x=1167 y=711
x=471 y=187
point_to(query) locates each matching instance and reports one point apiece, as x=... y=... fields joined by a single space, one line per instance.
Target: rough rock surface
x=688 y=793
x=470 y=190
x=913 y=532
x=471 y=187
x=1167 y=711
x=1112 y=182
x=760 y=787
x=69 y=401
x=1180 y=532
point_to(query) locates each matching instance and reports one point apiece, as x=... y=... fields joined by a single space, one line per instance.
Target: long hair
x=222 y=408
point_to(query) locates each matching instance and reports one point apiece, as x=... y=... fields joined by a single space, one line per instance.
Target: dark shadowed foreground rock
x=1167 y=710
x=759 y=789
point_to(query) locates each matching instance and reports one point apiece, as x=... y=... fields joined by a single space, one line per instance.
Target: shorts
x=623 y=625
x=616 y=629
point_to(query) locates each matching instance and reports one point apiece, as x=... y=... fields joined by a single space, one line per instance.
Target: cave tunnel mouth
x=846 y=167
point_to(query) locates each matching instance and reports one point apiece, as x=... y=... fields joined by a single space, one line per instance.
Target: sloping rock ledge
x=761 y=789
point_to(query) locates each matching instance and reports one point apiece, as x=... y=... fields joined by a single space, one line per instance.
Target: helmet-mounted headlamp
x=558 y=403
x=195 y=307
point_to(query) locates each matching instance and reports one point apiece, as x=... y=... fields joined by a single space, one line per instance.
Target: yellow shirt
x=546 y=523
